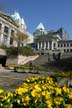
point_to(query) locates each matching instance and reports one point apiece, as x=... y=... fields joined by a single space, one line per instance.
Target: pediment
x=8 y=18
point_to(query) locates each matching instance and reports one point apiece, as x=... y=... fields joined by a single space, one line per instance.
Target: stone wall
x=20 y=60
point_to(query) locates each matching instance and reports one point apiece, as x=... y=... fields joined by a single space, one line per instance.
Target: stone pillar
x=52 y=45
x=41 y=45
x=9 y=35
x=48 y=45
x=44 y=45
x=2 y=32
x=38 y=45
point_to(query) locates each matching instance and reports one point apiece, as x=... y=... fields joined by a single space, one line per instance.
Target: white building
x=40 y=30
x=9 y=26
x=52 y=40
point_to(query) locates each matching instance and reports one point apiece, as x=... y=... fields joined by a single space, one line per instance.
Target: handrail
x=30 y=58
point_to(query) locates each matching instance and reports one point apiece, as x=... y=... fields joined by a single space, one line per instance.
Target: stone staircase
x=40 y=61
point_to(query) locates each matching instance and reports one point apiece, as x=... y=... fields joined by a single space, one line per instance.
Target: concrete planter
x=26 y=70
x=34 y=71
x=20 y=70
x=11 y=68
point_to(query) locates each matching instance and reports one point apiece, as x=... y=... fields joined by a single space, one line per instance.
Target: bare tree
x=20 y=38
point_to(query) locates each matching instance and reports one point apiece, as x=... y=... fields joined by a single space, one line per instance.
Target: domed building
x=50 y=41
x=40 y=30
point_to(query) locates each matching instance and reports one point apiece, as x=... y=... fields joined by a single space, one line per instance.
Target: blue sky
x=52 y=13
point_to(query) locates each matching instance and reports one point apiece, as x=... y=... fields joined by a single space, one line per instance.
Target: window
x=58 y=45
x=54 y=44
x=6 y=29
x=64 y=50
x=12 y=32
x=71 y=44
x=0 y=26
x=61 y=45
x=11 y=40
x=70 y=50
x=67 y=44
x=64 y=45
x=67 y=50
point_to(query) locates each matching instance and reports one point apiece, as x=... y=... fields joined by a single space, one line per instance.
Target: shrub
x=26 y=51
x=14 y=51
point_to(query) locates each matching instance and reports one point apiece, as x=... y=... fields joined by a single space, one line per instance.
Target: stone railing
x=24 y=59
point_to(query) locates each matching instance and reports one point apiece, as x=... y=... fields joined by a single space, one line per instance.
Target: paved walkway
x=10 y=80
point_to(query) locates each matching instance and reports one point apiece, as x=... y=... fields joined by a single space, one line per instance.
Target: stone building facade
x=9 y=26
x=51 y=41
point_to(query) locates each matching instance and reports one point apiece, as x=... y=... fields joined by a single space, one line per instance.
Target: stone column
x=48 y=45
x=9 y=35
x=41 y=45
x=38 y=45
x=2 y=32
x=44 y=45
x=52 y=45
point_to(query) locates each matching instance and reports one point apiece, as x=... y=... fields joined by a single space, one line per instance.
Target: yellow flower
x=24 y=84
x=37 y=88
x=47 y=96
x=27 y=80
x=70 y=95
x=21 y=90
x=43 y=93
x=58 y=91
x=34 y=93
x=18 y=101
x=25 y=100
x=5 y=97
x=49 y=104
x=8 y=100
x=68 y=106
x=65 y=89
x=58 y=100
x=1 y=91
x=9 y=94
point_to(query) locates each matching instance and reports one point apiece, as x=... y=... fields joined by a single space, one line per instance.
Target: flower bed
x=10 y=66
x=23 y=68
x=31 y=69
x=37 y=92
x=62 y=74
x=63 y=78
